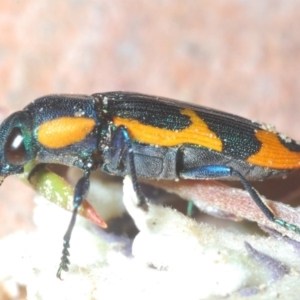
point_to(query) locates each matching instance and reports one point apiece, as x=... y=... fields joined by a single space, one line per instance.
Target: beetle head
x=17 y=146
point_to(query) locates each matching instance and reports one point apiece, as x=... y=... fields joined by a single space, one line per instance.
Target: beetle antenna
x=81 y=190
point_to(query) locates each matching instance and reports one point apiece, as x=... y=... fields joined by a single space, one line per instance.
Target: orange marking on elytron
x=64 y=131
x=273 y=154
x=197 y=133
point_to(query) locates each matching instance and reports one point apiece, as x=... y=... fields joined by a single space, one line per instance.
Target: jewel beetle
x=143 y=136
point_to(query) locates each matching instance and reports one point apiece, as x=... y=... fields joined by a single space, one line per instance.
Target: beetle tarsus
x=287 y=225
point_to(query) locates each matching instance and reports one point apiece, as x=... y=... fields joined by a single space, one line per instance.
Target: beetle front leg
x=121 y=149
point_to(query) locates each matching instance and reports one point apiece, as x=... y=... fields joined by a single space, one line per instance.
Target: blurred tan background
x=238 y=56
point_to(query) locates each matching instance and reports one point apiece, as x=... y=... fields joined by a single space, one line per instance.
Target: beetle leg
x=122 y=140
x=117 y=150
x=81 y=190
x=219 y=172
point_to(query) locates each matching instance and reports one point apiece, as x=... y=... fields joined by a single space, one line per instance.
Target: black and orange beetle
x=145 y=137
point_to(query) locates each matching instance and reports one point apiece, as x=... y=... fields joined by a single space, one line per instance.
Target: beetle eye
x=14 y=149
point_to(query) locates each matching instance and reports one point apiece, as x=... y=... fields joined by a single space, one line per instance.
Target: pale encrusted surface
x=172 y=257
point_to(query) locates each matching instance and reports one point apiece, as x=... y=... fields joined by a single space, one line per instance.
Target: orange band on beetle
x=64 y=131
x=273 y=154
x=197 y=133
